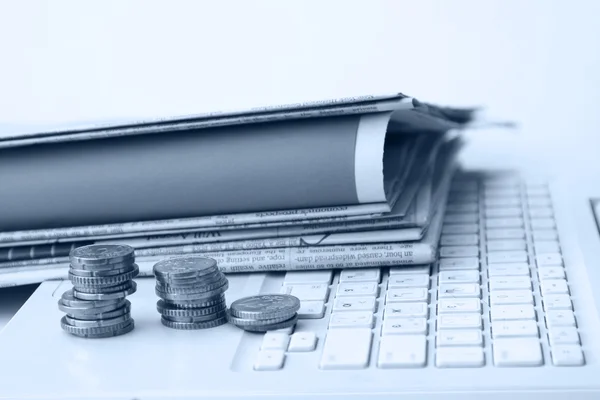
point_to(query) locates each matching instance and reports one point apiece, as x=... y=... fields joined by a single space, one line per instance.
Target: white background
x=535 y=62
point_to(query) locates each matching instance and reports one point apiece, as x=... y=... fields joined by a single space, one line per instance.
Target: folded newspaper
x=342 y=184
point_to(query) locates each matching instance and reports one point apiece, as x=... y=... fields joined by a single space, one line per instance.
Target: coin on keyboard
x=88 y=315
x=98 y=332
x=102 y=289
x=170 y=310
x=184 y=267
x=118 y=269
x=191 y=296
x=193 y=325
x=88 y=309
x=256 y=322
x=198 y=318
x=131 y=288
x=189 y=304
x=191 y=282
x=97 y=323
x=266 y=306
x=100 y=281
x=69 y=300
x=199 y=287
x=96 y=256
x=271 y=327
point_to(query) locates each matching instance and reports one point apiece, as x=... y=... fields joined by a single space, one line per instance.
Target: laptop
x=509 y=310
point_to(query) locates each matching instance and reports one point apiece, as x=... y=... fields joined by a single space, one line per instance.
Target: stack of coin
x=102 y=278
x=264 y=313
x=192 y=292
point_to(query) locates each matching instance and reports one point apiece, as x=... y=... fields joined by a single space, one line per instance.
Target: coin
x=102 y=289
x=98 y=323
x=190 y=296
x=102 y=332
x=99 y=281
x=184 y=267
x=96 y=255
x=69 y=300
x=187 y=304
x=190 y=282
x=169 y=310
x=198 y=318
x=67 y=309
x=193 y=325
x=132 y=288
x=258 y=322
x=121 y=268
x=272 y=327
x=266 y=306
x=198 y=288
x=125 y=309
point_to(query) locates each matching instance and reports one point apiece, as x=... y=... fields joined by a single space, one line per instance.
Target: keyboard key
x=541 y=212
x=459 y=251
x=545 y=235
x=287 y=331
x=456 y=290
x=501 y=234
x=514 y=201
x=550 y=246
x=563 y=335
x=503 y=212
x=554 y=286
x=365 y=303
x=275 y=341
x=458 y=277
x=507 y=245
x=557 y=302
x=512 y=312
x=408 y=281
x=542 y=223
x=458 y=263
x=303 y=341
x=351 y=319
x=522 y=328
x=501 y=297
x=404 y=326
x=549 y=260
x=321 y=276
x=509 y=282
x=556 y=318
x=521 y=352
x=508 y=269
x=346 y=349
x=311 y=309
x=459 y=321
x=462 y=208
x=461 y=218
x=317 y=291
x=551 y=273
x=459 y=337
x=568 y=355
x=460 y=228
x=420 y=269
x=459 y=240
x=504 y=223
x=464 y=356
x=403 y=310
x=360 y=275
x=402 y=351
x=503 y=257
x=446 y=306
x=357 y=289
x=269 y=360
x=409 y=294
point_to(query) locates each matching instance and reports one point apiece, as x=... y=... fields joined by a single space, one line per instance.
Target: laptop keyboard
x=498 y=296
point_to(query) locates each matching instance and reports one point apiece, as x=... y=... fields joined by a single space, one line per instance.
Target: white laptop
x=511 y=310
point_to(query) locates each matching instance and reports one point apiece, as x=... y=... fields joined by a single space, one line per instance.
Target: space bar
x=346 y=349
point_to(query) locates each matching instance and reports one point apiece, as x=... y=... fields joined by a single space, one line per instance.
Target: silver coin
x=191 y=296
x=98 y=281
x=191 y=304
x=102 y=289
x=169 y=310
x=97 y=333
x=103 y=267
x=197 y=318
x=69 y=300
x=266 y=306
x=91 y=311
x=99 y=254
x=190 y=282
x=126 y=309
x=199 y=288
x=193 y=325
x=184 y=267
x=119 y=269
x=97 y=323
x=271 y=327
x=132 y=288
x=259 y=322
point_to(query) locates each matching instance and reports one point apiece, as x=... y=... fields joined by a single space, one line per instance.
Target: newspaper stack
x=348 y=183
